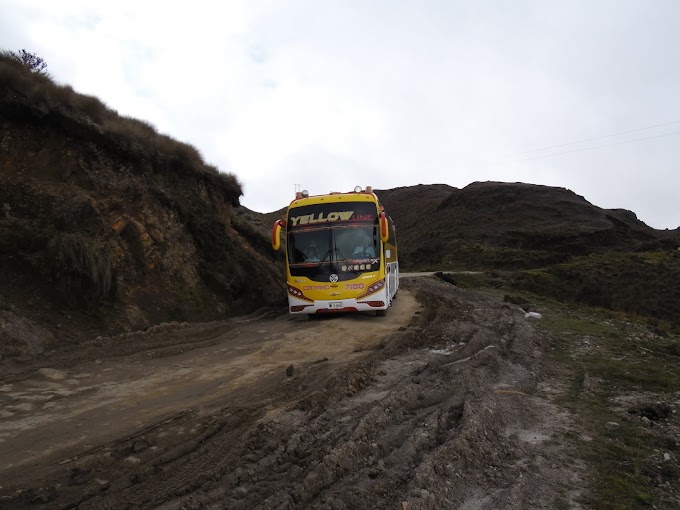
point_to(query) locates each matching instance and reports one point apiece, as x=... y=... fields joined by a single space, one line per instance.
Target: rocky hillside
x=544 y=239
x=107 y=225
x=510 y=225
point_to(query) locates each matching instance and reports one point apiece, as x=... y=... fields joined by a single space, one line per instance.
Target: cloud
x=335 y=94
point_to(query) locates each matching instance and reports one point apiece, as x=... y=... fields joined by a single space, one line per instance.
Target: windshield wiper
x=325 y=256
x=341 y=255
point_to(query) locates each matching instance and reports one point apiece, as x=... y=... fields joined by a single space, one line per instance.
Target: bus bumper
x=377 y=301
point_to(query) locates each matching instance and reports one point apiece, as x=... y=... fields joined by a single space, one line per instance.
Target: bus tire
x=381 y=313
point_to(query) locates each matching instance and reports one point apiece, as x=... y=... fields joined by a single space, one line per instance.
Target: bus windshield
x=337 y=245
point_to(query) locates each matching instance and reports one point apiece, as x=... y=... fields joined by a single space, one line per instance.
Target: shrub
x=30 y=61
x=84 y=256
x=92 y=107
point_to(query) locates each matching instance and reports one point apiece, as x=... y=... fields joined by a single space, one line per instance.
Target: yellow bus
x=341 y=253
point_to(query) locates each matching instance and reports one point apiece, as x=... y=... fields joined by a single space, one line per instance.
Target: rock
x=240 y=492
x=26 y=407
x=21 y=336
x=532 y=315
x=654 y=411
x=587 y=385
x=52 y=374
x=42 y=494
x=140 y=445
x=290 y=371
x=445 y=277
x=80 y=476
x=612 y=425
x=666 y=457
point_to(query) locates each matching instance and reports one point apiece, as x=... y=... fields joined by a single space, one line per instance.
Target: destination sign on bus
x=320 y=218
x=329 y=213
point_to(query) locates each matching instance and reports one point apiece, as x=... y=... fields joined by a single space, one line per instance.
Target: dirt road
x=434 y=406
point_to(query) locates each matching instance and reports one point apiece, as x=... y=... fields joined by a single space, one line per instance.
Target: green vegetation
x=621 y=369
x=473 y=255
x=77 y=269
x=83 y=256
x=639 y=283
x=628 y=375
x=30 y=61
x=644 y=283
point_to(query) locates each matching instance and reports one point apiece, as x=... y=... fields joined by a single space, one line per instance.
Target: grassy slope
x=644 y=283
x=614 y=368
x=619 y=371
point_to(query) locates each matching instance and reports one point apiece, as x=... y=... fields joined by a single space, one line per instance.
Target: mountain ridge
x=539 y=220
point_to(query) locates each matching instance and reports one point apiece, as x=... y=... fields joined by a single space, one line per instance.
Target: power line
x=599 y=146
x=597 y=138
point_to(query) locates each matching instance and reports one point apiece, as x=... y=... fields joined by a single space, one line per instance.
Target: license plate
x=335 y=304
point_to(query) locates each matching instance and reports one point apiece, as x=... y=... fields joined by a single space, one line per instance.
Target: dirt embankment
x=438 y=405
x=107 y=226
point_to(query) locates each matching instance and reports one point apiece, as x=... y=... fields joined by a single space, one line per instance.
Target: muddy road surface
x=438 y=405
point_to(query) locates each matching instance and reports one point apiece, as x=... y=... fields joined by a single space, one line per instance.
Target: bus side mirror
x=276 y=234
x=384 y=228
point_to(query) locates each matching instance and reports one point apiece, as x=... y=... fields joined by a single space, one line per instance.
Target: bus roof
x=336 y=196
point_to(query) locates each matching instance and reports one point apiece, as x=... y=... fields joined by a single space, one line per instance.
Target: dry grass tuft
x=83 y=256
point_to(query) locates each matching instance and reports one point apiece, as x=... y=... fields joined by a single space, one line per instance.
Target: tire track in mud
x=443 y=413
x=192 y=466
x=189 y=466
x=443 y=417
x=162 y=459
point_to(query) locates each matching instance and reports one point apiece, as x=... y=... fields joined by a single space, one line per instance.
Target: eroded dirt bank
x=438 y=405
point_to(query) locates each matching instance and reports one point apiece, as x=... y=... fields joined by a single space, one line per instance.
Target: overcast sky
x=330 y=94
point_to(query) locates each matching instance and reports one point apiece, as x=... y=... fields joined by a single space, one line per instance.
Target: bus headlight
x=373 y=288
